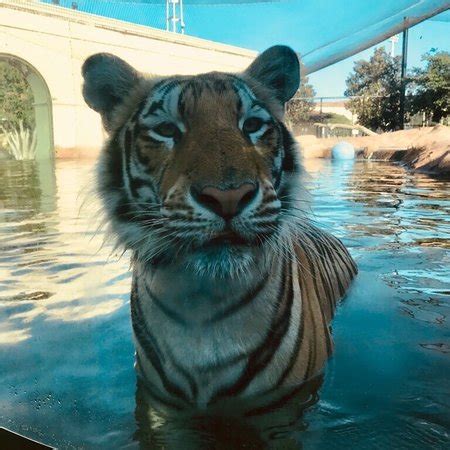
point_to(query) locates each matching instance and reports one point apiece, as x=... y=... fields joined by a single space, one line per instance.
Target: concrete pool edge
x=426 y=150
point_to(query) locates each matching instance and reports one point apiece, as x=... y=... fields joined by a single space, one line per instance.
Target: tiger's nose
x=226 y=203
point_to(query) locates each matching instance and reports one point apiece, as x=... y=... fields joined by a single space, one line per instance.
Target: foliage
x=299 y=108
x=330 y=117
x=430 y=87
x=16 y=97
x=20 y=141
x=376 y=83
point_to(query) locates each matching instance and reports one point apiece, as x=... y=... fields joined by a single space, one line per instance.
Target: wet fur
x=213 y=322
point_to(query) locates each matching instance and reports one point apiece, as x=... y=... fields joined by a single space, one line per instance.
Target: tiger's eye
x=252 y=124
x=167 y=129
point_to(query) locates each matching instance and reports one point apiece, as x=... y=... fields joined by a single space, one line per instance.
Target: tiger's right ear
x=107 y=81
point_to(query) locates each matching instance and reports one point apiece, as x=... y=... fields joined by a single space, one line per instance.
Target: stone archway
x=42 y=105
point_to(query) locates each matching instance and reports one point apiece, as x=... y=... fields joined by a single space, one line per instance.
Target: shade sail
x=322 y=31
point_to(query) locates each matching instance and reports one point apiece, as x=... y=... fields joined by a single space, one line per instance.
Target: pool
x=66 y=348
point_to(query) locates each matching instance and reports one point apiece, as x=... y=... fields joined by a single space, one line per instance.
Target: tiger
x=233 y=285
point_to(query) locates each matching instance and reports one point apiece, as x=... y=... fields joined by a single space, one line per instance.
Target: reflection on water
x=229 y=427
x=65 y=336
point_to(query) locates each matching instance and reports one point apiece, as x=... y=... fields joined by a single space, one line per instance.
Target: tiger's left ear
x=278 y=69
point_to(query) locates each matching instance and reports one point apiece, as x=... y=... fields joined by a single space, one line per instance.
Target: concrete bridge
x=51 y=43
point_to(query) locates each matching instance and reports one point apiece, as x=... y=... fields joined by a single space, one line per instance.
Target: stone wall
x=55 y=41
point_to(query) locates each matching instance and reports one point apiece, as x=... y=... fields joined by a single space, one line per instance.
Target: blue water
x=66 y=352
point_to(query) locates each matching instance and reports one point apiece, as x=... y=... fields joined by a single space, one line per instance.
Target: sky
x=422 y=38
x=305 y=25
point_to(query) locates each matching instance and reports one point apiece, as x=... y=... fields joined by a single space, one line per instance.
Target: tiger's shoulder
x=326 y=268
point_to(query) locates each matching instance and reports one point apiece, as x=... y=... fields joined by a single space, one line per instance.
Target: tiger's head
x=197 y=169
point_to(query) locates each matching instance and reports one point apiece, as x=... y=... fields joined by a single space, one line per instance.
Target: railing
x=324 y=130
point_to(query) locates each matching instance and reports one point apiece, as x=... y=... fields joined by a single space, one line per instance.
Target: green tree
x=376 y=84
x=430 y=87
x=299 y=107
x=16 y=96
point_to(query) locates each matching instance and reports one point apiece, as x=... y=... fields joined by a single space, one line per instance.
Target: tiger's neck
x=212 y=328
x=198 y=298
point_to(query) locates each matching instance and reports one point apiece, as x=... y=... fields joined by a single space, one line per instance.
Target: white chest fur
x=205 y=329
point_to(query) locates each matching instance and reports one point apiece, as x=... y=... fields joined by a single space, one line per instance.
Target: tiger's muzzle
x=241 y=215
x=226 y=203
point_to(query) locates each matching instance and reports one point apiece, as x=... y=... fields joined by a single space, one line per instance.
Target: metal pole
x=403 y=75
x=167 y=15
x=182 y=17
x=343 y=48
x=174 y=16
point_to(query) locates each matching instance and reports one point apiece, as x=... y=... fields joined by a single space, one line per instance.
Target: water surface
x=66 y=352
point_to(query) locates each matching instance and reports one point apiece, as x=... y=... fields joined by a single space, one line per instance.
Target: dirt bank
x=423 y=149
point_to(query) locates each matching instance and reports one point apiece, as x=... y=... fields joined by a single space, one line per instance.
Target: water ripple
x=65 y=336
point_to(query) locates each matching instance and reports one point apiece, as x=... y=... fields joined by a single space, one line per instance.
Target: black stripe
x=172 y=314
x=165 y=309
x=150 y=346
x=326 y=283
x=239 y=103
x=134 y=182
x=244 y=87
x=311 y=386
x=144 y=385
x=309 y=364
x=224 y=364
x=122 y=211
x=312 y=344
x=159 y=84
x=289 y=163
x=337 y=270
x=190 y=379
x=137 y=320
x=277 y=175
x=113 y=175
x=264 y=353
x=218 y=85
x=163 y=170
x=181 y=102
x=239 y=100
x=295 y=351
x=179 y=206
x=242 y=302
x=326 y=330
x=155 y=106
x=166 y=90
x=280 y=147
x=196 y=90
x=135 y=116
x=325 y=273
x=127 y=147
x=160 y=399
x=345 y=271
x=165 y=87
x=147 y=138
x=139 y=133
x=344 y=255
x=267 y=211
